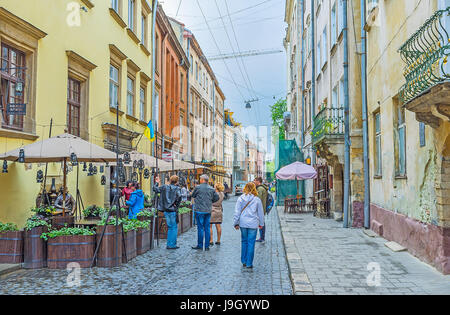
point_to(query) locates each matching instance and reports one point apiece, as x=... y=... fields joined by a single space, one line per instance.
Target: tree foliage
x=277 y=111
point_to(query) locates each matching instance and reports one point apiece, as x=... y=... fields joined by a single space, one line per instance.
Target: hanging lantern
x=153 y=171
x=134 y=177
x=135 y=164
x=40 y=176
x=126 y=158
x=95 y=170
x=84 y=167
x=141 y=164
x=22 y=156
x=103 y=180
x=102 y=169
x=73 y=159
x=146 y=173
x=308 y=160
x=5 y=167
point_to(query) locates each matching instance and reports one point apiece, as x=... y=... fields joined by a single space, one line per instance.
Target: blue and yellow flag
x=149 y=132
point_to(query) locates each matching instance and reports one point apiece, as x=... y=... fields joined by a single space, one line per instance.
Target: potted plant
x=11 y=244
x=35 y=248
x=143 y=236
x=107 y=255
x=69 y=244
x=93 y=212
x=129 y=229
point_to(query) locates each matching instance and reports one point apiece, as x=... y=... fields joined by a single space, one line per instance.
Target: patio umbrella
x=296 y=171
x=60 y=149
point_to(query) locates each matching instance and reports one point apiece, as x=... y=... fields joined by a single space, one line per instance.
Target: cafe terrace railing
x=426 y=55
x=329 y=121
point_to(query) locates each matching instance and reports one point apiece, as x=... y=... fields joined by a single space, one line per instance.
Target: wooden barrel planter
x=63 y=250
x=179 y=227
x=162 y=226
x=11 y=247
x=106 y=253
x=34 y=248
x=185 y=222
x=59 y=222
x=130 y=246
x=143 y=239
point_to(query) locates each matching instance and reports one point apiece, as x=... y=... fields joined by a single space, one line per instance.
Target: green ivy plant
x=184 y=210
x=8 y=227
x=94 y=211
x=66 y=231
x=44 y=211
x=35 y=221
x=147 y=213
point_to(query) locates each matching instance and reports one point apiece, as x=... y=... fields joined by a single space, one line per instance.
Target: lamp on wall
x=5 y=167
x=39 y=176
x=22 y=156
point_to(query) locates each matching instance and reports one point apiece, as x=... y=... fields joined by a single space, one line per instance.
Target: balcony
x=427 y=72
x=328 y=134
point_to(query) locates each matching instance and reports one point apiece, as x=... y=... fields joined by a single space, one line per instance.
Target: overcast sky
x=258 y=25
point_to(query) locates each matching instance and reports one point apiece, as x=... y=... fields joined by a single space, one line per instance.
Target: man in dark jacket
x=204 y=196
x=169 y=201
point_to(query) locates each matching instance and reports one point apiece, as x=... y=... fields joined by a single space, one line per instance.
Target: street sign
x=16 y=109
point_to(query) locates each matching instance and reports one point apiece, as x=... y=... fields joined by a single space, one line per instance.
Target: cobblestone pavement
x=325 y=258
x=184 y=271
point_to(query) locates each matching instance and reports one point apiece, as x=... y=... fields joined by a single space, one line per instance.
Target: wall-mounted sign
x=16 y=109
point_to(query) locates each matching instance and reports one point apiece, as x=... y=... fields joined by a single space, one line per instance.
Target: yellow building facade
x=409 y=134
x=76 y=60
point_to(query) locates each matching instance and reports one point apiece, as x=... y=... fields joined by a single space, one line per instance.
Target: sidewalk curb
x=9 y=268
x=299 y=279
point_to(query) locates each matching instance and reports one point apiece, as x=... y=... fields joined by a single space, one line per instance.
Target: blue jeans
x=262 y=233
x=248 y=239
x=203 y=231
x=172 y=229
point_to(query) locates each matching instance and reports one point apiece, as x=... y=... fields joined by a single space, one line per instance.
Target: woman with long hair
x=217 y=214
x=248 y=217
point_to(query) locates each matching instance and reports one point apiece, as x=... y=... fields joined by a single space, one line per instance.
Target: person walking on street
x=169 y=201
x=204 y=196
x=217 y=214
x=136 y=201
x=262 y=195
x=248 y=217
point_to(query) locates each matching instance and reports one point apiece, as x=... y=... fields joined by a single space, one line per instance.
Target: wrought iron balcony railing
x=329 y=121
x=426 y=55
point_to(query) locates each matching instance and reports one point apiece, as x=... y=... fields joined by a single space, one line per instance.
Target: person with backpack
x=262 y=195
x=248 y=217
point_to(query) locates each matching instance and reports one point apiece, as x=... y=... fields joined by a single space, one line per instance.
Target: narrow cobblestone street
x=183 y=271
x=325 y=258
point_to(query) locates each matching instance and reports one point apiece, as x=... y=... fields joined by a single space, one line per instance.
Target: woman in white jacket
x=248 y=216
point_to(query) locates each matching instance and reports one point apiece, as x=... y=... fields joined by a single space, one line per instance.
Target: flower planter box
x=60 y=221
x=63 y=250
x=107 y=256
x=34 y=248
x=143 y=240
x=11 y=247
x=130 y=246
x=185 y=222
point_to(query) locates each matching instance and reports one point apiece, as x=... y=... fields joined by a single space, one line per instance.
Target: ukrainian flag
x=149 y=132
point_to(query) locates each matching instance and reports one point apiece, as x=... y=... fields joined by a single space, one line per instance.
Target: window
x=131 y=14
x=324 y=47
x=144 y=29
x=114 y=85
x=156 y=118
x=196 y=70
x=318 y=57
x=130 y=96
x=422 y=134
x=333 y=25
x=207 y=86
x=182 y=87
x=191 y=61
x=378 y=155
x=12 y=88
x=115 y=5
x=157 y=52
x=142 y=100
x=73 y=106
x=340 y=16
x=399 y=139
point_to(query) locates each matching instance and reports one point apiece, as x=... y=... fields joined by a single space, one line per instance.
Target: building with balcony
x=409 y=126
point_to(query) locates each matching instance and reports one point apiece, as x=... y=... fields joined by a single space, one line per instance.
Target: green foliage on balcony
x=426 y=54
x=329 y=121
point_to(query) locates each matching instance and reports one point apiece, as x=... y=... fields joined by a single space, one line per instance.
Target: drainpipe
x=365 y=116
x=313 y=72
x=155 y=119
x=346 y=121
x=188 y=98
x=303 y=73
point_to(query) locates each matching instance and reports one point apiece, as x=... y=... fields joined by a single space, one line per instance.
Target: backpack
x=269 y=203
